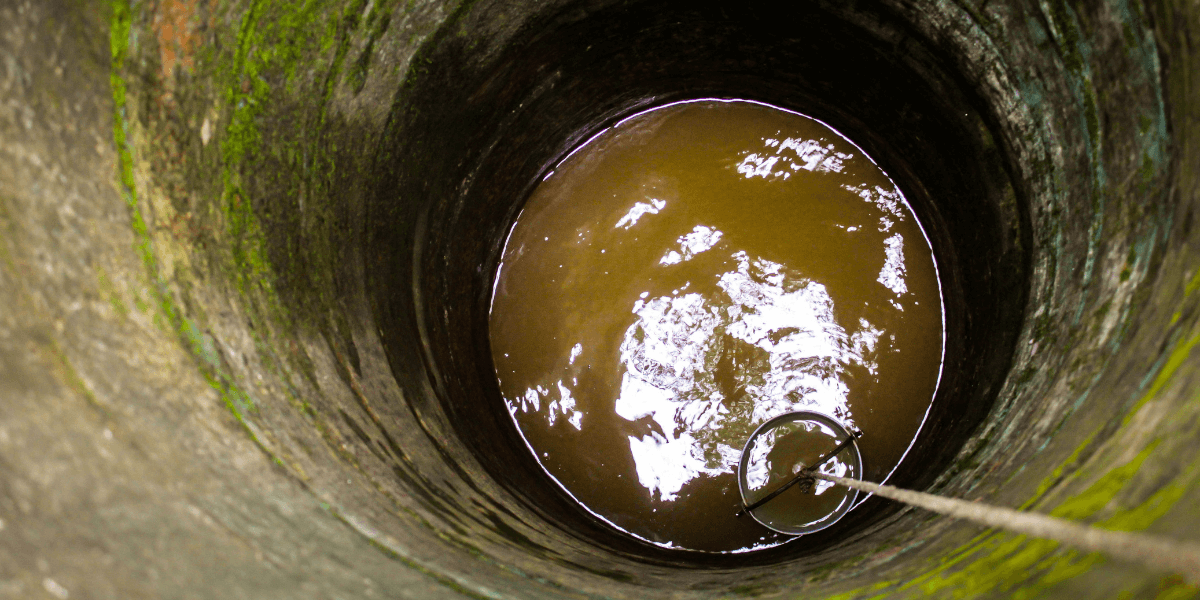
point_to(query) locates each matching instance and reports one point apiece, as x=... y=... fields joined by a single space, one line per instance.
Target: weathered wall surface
x=199 y=400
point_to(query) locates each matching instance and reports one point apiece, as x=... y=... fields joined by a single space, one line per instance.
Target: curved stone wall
x=246 y=250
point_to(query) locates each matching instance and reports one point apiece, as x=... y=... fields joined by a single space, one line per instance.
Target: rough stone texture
x=200 y=399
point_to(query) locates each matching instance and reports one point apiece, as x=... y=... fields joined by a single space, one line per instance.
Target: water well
x=247 y=250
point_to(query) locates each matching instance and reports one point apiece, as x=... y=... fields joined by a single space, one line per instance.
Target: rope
x=1154 y=552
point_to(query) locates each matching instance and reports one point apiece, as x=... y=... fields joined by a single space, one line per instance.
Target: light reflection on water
x=678 y=323
x=671 y=354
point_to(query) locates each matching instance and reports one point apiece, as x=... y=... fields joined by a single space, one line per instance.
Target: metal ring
x=854 y=461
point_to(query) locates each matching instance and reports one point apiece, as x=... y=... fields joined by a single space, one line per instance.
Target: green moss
x=1063 y=23
x=1193 y=284
x=1150 y=511
x=1175 y=588
x=1096 y=496
x=1026 y=376
x=274 y=148
x=167 y=312
x=983 y=21
x=1130 y=261
x=1004 y=562
x=109 y=292
x=1056 y=475
x=863 y=592
x=1146 y=171
x=1178 y=356
x=1130 y=39
x=1000 y=562
x=378 y=21
x=267 y=45
x=1043 y=328
x=6 y=228
x=67 y=373
x=1090 y=113
x=275 y=54
x=140 y=303
x=279 y=149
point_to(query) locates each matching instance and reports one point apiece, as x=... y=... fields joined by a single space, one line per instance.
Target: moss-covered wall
x=198 y=398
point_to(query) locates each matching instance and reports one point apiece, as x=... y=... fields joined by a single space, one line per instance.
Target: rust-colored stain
x=175 y=24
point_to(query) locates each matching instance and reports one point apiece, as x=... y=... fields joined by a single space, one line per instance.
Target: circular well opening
x=484 y=123
x=691 y=272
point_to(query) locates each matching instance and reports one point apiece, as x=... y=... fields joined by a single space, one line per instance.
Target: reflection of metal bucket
x=754 y=452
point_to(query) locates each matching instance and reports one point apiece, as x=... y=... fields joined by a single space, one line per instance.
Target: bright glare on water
x=691 y=273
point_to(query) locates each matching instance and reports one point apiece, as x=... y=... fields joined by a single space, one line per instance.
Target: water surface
x=691 y=273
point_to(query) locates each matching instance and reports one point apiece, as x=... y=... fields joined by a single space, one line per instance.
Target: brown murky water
x=691 y=273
